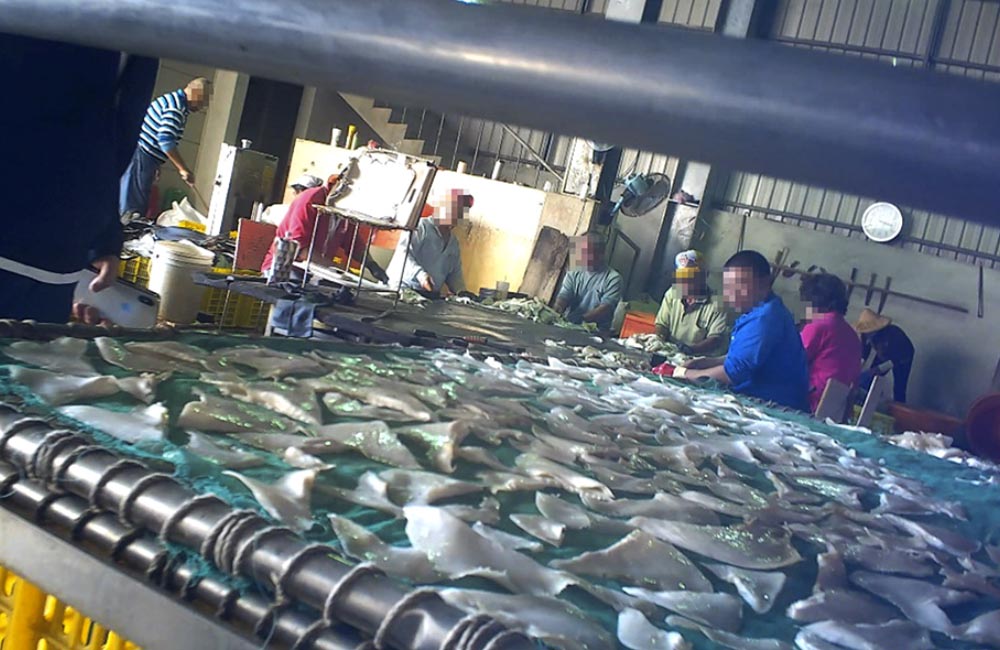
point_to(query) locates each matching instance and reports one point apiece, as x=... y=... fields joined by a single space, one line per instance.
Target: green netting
x=947 y=480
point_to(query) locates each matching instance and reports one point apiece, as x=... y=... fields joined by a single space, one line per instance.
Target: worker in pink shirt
x=833 y=349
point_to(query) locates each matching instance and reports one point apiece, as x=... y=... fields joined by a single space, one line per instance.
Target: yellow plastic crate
x=242 y=312
x=191 y=225
x=135 y=270
x=30 y=619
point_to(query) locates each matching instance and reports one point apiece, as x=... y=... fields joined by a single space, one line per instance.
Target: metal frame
x=117 y=601
x=274 y=557
x=92 y=550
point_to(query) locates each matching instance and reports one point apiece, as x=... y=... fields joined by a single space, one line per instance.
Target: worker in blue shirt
x=429 y=259
x=766 y=359
x=591 y=290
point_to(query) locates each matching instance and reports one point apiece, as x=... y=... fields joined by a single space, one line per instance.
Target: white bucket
x=170 y=276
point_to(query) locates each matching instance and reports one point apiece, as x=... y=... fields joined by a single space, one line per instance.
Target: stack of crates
x=30 y=619
x=135 y=270
x=242 y=312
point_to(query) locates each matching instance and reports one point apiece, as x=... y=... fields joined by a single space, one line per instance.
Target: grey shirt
x=430 y=256
x=586 y=290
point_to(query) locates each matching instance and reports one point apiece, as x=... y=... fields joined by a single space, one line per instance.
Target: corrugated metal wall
x=693 y=14
x=579 y=6
x=953 y=36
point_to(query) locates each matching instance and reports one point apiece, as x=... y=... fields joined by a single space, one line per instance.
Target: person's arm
x=174 y=156
x=718 y=332
x=598 y=313
x=609 y=295
x=410 y=247
x=811 y=341
x=298 y=226
x=750 y=348
x=701 y=347
x=455 y=279
x=704 y=363
x=567 y=294
x=662 y=327
x=417 y=270
x=168 y=136
x=718 y=373
x=105 y=249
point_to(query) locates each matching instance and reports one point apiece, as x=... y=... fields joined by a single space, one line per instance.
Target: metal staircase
x=413 y=131
x=448 y=140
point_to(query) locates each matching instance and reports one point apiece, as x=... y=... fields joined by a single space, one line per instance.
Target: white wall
x=498 y=237
x=956 y=354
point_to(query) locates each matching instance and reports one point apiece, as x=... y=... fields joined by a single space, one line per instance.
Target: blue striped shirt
x=164 y=124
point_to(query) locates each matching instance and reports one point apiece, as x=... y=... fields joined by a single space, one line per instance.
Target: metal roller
x=844 y=123
x=103 y=535
x=372 y=603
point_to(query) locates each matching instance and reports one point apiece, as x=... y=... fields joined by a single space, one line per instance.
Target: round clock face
x=882 y=222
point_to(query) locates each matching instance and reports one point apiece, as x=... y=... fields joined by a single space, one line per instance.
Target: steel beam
x=818 y=118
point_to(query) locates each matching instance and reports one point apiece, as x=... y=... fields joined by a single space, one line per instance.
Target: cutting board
x=541 y=279
x=253 y=240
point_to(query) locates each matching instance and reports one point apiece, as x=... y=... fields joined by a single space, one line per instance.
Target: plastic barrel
x=170 y=276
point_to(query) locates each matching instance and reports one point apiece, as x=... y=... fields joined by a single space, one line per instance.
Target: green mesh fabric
x=947 y=480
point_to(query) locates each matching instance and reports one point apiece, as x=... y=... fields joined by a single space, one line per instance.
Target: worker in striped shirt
x=162 y=130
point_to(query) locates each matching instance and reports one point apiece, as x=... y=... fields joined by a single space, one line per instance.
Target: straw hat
x=869 y=322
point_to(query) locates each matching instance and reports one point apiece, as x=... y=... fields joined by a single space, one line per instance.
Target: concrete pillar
x=737 y=19
x=321 y=110
x=305 y=112
x=633 y=11
x=229 y=91
x=627 y=11
x=645 y=230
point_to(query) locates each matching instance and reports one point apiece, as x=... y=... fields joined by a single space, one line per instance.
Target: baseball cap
x=306 y=182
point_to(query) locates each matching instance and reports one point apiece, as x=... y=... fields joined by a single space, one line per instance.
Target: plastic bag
x=180 y=213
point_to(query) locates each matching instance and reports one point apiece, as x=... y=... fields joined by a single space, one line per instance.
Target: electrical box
x=244 y=177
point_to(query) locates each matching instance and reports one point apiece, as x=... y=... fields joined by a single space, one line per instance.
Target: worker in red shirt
x=301 y=221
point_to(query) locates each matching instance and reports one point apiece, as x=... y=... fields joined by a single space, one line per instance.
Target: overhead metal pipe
x=923 y=139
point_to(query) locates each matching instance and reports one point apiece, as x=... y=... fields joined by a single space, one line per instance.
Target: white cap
x=306 y=181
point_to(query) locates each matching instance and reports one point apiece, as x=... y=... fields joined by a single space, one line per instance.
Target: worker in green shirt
x=690 y=317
